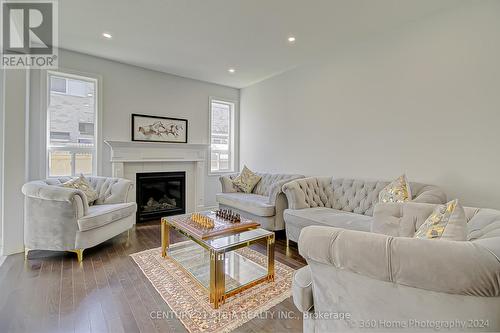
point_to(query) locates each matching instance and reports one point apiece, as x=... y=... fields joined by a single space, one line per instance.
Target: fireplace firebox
x=160 y=194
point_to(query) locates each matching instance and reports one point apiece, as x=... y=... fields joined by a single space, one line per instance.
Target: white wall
x=128 y=89
x=2 y=102
x=14 y=159
x=424 y=100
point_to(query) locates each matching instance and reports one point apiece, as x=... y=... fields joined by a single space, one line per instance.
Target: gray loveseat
x=59 y=218
x=265 y=204
x=393 y=279
x=342 y=203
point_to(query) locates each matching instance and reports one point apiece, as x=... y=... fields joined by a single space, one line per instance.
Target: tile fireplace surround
x=129 y=158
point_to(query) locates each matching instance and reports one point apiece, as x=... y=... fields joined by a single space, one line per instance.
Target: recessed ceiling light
x=107 y=35
x=231 y=70
x=291 y=39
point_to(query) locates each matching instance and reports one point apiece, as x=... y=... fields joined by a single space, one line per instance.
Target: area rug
x=189 y=300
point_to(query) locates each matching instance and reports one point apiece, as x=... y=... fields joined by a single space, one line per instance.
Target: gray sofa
x=59 y=218
x=393 y=279
x=265 y=204
x=342 y=203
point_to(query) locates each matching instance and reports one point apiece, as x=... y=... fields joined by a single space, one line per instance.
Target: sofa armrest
x=277 y=188
x=50 y=216
x=430 y=194
x=40 y=190
x=307 y=192
x=302 y=289
x=452 y=267
x=226 y=182
x=295 y=195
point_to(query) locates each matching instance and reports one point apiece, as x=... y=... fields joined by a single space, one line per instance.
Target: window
x=86 y=128
x=221 y=136
x=58 y=84
x=69 y=86
x=59 y=136
x=71 y=113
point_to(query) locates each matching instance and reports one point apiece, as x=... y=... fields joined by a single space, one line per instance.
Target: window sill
x=220 y=173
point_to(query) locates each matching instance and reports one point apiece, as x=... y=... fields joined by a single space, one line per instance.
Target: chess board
x=221 y=226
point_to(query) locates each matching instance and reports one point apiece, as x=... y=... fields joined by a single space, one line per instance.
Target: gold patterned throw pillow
x=81 y=183
x=246 y=180
x=446 y=222
x=397 y=191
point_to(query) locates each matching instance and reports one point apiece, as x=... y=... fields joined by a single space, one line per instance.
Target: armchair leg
x=287 y=250
x=79 y=254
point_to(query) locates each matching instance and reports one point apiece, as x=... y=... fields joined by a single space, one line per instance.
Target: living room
x=250 y=166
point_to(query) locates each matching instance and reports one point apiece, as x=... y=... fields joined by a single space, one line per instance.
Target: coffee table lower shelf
x=215 y=264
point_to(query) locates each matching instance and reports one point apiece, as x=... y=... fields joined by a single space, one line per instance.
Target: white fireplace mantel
x=130 y=157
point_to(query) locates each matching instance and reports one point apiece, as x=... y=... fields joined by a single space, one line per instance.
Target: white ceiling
x=201 y=39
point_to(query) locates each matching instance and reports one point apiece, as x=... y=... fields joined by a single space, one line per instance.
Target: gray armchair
x=389 y=277
x=59 y=218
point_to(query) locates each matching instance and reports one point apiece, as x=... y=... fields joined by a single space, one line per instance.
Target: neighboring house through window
x=72 y=113
x=221 y=136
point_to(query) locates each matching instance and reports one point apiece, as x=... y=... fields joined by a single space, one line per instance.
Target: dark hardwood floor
x=52 y=292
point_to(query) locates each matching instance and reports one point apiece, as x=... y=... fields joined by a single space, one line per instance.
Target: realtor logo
x=29 y=34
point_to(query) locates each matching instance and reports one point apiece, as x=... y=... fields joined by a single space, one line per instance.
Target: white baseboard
x=2 y=259
x=13 y=251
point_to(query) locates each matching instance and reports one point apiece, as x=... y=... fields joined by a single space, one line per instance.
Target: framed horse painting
x=159 y=129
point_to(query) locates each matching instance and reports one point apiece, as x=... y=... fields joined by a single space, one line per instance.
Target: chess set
x=203 y=221
x=214 y=223
x=206 y=222
x=228 y=215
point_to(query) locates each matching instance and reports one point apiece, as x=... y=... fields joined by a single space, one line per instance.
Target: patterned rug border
x=234 y=323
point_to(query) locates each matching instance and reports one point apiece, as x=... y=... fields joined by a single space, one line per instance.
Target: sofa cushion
x=247 y=202
x=302 y=289
x=99 y=215
x=327 y=217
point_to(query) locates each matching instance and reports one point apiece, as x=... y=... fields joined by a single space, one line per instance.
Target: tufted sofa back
x=402 y=219
x=264 y=186
x=110 y=190
x=355 y=195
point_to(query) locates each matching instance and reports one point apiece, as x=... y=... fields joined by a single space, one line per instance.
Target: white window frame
x=96 y=151
x=232 y=139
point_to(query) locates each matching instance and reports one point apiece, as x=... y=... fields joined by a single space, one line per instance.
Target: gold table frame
x=217 y=292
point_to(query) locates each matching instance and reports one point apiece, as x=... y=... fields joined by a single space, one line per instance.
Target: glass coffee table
x=213 y=261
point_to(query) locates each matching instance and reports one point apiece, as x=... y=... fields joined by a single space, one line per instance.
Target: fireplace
x=160 y=194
